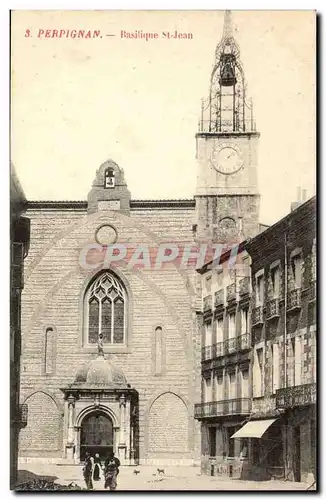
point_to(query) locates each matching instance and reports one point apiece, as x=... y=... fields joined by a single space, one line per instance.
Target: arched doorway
x=96 y=435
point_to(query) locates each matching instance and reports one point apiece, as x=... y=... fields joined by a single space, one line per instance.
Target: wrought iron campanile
x=227 y=109
x=227 y=195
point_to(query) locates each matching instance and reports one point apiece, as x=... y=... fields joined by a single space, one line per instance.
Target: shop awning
x=254 y=429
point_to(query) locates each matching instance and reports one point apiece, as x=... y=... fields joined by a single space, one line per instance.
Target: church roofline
x=134 y=204
x=297 y=216
x=56 y=204
x=175 y=203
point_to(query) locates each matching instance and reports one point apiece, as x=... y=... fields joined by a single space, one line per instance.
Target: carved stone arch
x=109 y=165
x=90 y=409
x=167 y=421
x=227 y=223
x=43 y=433
x=93 y=276
x=169 y=389
x=59 y=404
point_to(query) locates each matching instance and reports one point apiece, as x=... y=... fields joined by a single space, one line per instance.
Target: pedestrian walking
x=97 y=467
x=88 y=471
x=111 y=471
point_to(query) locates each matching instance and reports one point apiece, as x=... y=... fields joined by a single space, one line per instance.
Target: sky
x=78 y=102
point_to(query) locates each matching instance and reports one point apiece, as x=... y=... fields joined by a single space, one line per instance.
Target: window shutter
x=255 y=375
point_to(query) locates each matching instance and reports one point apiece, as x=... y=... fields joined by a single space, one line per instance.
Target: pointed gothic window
x=106 y=303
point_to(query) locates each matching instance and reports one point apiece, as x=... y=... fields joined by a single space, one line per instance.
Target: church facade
x=136 y=392
x=111 y=343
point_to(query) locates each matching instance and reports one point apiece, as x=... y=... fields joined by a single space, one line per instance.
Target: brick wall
x=168 y=425
x=42 y=434
x=52 y=298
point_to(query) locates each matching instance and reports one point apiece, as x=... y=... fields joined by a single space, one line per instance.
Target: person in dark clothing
x=97 y=467
x=111 y=471
x=88 y=471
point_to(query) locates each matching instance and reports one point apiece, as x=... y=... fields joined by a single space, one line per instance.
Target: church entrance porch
x=97 y=422
x=100 y=413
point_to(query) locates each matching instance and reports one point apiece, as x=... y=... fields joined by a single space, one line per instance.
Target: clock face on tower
x=226 y=158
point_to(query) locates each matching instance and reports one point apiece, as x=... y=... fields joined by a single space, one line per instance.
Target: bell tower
x=227 y=198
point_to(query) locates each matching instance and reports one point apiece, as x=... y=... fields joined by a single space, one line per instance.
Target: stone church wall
x=52 y=298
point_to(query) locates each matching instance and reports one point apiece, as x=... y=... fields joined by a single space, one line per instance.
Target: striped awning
x=254 y=429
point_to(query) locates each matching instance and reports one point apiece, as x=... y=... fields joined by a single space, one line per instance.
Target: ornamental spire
x=227 y=109
x=227 y=45
x=227 y=28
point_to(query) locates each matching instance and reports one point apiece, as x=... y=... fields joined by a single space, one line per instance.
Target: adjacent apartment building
x=258 y=407
x=226 y=363
x=283 y=325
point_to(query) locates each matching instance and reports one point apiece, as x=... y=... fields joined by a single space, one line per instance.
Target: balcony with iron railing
x=240 y=406
x=219 y=298
x=257 y=317
x=299 y=395
x=273 y=309
x=294 y=300
x=229 y=346
x=244 y=287
x=207 y=303
x=218 y=125
x=231 y=293
x=240 y=343
x=206 y=353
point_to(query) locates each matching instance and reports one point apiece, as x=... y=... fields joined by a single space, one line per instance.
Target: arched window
x=109 y=178
x=158 y=350
x=49 y=353
x=105 y=310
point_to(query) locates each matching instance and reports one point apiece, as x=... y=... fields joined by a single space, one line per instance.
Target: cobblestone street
x=175 y=478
